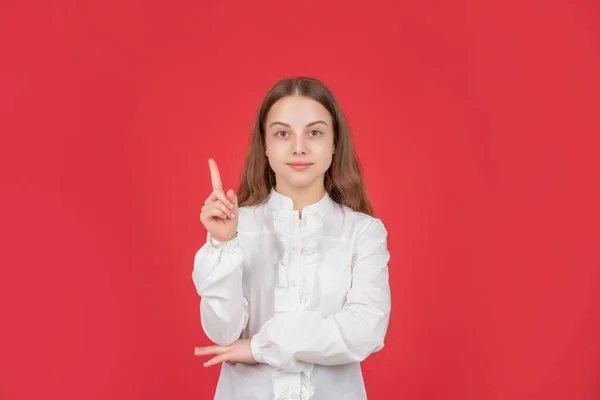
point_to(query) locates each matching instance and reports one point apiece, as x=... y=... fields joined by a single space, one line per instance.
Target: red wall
x=477 y=124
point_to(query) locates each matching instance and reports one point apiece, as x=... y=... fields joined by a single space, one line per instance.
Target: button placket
x=295 y=261
x=295 y=389
x=295 y=279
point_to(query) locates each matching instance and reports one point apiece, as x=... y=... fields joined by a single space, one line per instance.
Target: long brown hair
x=343 y=180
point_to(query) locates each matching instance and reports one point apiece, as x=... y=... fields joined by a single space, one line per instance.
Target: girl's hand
x=220 y=212
x=238 y=352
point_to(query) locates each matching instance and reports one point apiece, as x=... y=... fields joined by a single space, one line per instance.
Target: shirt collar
x=279 y=202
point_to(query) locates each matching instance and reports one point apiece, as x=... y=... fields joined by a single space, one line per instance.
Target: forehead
x=298 y=110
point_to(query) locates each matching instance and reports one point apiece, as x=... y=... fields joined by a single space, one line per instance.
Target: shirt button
x=295 y=249
x=293 y=283
x=294 y=395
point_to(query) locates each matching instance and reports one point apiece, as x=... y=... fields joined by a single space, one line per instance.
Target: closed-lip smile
x=298 y=165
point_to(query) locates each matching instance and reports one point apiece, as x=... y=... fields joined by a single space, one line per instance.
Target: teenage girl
x=293 y=277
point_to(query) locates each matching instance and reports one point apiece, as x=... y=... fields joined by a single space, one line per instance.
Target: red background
x=477 y=124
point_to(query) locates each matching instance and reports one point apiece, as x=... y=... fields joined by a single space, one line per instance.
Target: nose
x=299 y=145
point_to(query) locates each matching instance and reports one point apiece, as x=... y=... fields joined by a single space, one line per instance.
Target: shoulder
x=363 y=224
x=368 y=238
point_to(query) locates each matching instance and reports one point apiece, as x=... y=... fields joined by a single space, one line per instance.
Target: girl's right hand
x=220 y=212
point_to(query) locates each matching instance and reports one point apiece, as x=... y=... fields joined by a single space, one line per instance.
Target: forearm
x=350 y=334
x=217 y=276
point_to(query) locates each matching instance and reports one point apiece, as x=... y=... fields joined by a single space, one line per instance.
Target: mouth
x=299 y=166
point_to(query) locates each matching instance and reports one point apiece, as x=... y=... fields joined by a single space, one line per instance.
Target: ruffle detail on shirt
x=310 y=226
x=308 y=391
x=300 y=235
x=284 y=385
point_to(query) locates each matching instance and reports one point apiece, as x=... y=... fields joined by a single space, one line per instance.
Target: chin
x=300 y=182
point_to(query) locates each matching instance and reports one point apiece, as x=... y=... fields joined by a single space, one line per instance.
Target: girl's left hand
x=238 y=352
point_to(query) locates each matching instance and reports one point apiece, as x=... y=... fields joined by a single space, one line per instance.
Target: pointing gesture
x=220 y=211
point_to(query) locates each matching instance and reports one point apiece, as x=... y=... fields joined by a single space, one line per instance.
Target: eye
x=281 y=134
x=314 y=133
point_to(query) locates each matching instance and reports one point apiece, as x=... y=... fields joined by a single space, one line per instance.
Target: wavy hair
x=343 y=180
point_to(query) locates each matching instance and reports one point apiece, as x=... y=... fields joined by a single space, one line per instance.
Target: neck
x=303 y=196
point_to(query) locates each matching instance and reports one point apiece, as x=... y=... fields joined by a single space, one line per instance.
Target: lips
x=299 y=166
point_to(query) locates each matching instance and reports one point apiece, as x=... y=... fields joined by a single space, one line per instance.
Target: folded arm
x=290 y=340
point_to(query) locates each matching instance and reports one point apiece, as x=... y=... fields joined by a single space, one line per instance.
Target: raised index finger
x=214 y=175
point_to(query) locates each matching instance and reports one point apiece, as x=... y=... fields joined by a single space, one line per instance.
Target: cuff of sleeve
x=226 y=246
x=255 y=348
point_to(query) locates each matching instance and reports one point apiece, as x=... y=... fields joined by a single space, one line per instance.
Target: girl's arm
x=288 y=340
x=217 y=276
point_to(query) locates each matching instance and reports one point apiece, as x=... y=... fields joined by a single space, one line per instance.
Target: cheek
x=276 y=155
x=324 y=153
x=273 y=147
x=268 y=142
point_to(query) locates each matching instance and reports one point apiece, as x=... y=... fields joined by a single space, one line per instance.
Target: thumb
x=231 y=196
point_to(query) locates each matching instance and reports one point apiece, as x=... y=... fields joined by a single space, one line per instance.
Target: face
x=299 y=142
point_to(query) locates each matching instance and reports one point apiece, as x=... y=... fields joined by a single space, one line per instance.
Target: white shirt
x=312 y=293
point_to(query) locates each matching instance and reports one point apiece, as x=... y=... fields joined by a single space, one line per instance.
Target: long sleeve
x=217 y=275
x=290 y=340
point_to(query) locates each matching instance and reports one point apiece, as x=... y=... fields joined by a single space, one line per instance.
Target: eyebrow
x=288 y=125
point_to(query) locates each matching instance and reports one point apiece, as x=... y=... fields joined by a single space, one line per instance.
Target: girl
x=293 y=277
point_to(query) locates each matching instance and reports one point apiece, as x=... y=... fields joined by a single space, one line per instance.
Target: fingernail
x=232 y=216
